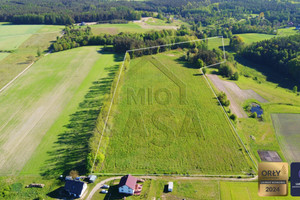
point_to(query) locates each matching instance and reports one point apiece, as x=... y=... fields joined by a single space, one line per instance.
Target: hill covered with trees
x=272 y=13
x=280 y=54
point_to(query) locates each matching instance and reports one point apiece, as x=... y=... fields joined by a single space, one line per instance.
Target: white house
x=170 y=186
x=127 y=184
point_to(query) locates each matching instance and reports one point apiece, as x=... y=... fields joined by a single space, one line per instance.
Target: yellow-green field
x=161 y=135
x=40 y=37
x=37 y=106
x=116 y=28
x=254 y=37
x=12 y=36
x=3 y=55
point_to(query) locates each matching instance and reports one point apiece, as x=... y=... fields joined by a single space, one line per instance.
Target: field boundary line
x=240 y=176
x=115 y=90
x=20 y=74
x=235 y=131
x=108 y=113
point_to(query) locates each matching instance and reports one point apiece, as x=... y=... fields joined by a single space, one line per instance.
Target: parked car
x=105 y=186
x=104 y=191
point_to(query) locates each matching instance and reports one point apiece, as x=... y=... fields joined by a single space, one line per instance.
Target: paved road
x=99 y=185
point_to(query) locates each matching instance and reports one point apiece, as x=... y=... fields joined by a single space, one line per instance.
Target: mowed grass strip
x=155 y=133
x=54 y=153
x=32 y=104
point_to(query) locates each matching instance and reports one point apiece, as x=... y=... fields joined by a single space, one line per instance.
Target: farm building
x=92 y=178
x=170 y=186
x=75 y=188
x=127 y=184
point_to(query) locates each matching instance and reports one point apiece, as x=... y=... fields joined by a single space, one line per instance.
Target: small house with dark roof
x=75 y=188
x=127 y=184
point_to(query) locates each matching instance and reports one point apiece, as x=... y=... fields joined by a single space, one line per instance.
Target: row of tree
x=74 y=37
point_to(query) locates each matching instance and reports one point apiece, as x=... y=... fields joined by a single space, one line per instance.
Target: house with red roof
x=127 y=184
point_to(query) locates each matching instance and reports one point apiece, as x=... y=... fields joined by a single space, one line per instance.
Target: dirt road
x=235 y=94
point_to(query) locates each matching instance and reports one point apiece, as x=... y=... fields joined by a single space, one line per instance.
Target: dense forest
x=281 y=54
x=197 y=12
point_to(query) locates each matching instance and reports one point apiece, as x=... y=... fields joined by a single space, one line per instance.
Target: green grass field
x=82 y=109
x=3 y=55
x=287 y=129
x=255 y=37
x=116 y=28
x=12 y=36
x=247 y=37
x=161 y=135
x=287 y=31
x=245 y=191
x=15 y=62
x=154 y=189
x=49 y=93
x=159 y=22
x=133 y=27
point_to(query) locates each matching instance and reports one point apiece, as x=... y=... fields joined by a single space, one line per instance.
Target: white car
x=105 y=186
x=104 y=191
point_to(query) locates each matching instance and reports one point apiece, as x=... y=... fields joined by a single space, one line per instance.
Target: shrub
x=200 y=63
x=235 y=76
x=254 y=115
x=233 y=117
x=226 y=70
x=295 y=89
x=223 y=99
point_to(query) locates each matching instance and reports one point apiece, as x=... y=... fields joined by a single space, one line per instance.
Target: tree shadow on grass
x=181 y=60
x=110 y=50
x=272 y=75
x=71 y=148
x=113 y=193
